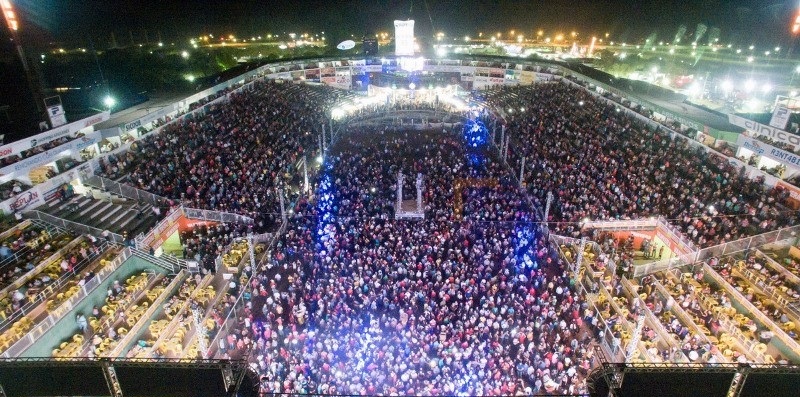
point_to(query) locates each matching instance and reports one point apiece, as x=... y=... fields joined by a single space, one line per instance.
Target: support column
x=399 y=205
x=522 y=172
x=251 y=250
x=419 y=192
x=738 y=380
x=547 y=206
x=579 y=257
x=505 y=147
x=633 y=344
x=200 y=330
x=305 y=173
x=502 y=139
x=323 y=138
x=111 y=378
x=283 y=205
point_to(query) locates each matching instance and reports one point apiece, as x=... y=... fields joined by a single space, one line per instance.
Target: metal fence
x=123 y=190
x=239 y=307
x=163 y=227
x=56 y=315
x=747 y=243
x=74 y=226
x=717 y=251
x=216 y=216
x=51 y=289
x=630 y=224
x=165 y=261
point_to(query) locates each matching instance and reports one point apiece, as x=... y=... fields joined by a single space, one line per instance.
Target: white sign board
x=780 y=117
x=346 y=45
x=404 y=38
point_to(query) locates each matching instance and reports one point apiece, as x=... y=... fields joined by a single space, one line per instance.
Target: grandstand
x=573 y=246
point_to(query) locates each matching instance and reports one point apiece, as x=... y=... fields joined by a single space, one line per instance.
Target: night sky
x=72 y=21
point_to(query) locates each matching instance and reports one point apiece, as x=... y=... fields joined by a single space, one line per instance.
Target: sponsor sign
x=780 y=117
x=762 y=149
x=25 y=200
x=768 y=131
x=49 y=136
x=133 y=125
x=527 y=77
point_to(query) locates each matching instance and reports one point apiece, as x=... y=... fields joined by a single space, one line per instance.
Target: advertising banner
x=312 y=75
x=526 y=77
x=763 y=149
x=768 y=131
x=49 y=136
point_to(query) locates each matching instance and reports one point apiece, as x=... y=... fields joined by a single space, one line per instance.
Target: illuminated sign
x=404 y=38
x=346 y=45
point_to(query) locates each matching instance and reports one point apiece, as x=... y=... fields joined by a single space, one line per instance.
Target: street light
x=109 y=101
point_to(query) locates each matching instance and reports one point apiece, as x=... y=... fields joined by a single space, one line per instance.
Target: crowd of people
x=601 y=163
x=204 y=243
x=356 y=302
x=470 y=300
x=232 y=158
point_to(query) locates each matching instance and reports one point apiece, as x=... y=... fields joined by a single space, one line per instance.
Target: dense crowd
x=355 y=302
x=603 y=164
x=205 y=243
x=234 y=157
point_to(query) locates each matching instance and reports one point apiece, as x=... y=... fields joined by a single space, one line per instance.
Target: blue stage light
x=476 y=134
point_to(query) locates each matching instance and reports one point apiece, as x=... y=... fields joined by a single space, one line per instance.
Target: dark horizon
x=74 y=22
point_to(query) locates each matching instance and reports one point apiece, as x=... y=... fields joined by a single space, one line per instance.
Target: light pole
x=794 y=72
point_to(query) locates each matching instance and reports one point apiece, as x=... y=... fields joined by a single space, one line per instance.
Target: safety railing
x=785 y=273
x=632 y=224
x=677 y=235
x=655 y=323
x=51 y=289
x=747 y=243
x=157 y=304
x=686 y=319
x=244 y=296
x=165 y=261
x=56 y=256
x=57 y=314
x=754 y=312
x=20 y=226
x=74 y=226
x=761 y=284
x=216 y=216
x=161 y=231
x=123 y=190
